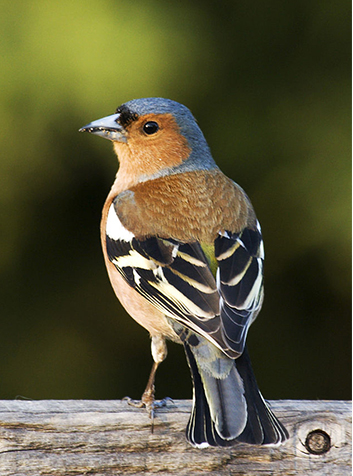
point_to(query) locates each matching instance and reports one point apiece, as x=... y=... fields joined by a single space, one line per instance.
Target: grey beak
x=107 y=127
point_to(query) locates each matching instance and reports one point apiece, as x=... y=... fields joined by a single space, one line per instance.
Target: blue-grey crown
x=201 y=157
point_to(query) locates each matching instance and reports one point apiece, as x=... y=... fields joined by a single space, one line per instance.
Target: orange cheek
x=169 y=150
x=144 y=155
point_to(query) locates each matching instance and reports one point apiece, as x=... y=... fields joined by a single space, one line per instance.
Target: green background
x=270 y=86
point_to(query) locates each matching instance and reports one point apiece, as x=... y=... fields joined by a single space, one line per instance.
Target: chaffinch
x=184 y=255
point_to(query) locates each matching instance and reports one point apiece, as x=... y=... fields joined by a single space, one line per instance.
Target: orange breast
x=187 y=207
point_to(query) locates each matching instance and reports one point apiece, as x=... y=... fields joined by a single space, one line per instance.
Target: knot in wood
x=318 y=442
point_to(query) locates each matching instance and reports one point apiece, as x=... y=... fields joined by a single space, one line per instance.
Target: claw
x=163 y=403
x=148 y=402
x=147 y=399
x=134 y=403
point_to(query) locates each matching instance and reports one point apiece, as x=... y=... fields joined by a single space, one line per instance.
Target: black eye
x=150 y=127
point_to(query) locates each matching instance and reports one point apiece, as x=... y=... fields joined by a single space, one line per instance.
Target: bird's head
x=154 y=137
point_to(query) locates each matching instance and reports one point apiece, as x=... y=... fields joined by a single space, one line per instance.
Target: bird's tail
x=231 y=409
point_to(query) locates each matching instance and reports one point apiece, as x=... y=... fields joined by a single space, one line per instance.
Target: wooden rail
x=96 y=438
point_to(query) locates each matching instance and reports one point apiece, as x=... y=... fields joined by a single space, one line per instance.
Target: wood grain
x=96 y=438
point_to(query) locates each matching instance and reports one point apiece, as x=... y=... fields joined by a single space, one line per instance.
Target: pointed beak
x=107 y=127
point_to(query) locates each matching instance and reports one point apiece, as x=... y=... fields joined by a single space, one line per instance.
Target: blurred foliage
x=270 y=87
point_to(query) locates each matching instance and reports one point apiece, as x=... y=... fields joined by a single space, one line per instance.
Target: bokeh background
x=270 y=86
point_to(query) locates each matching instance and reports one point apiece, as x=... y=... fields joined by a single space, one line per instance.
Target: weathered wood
x=96 y=438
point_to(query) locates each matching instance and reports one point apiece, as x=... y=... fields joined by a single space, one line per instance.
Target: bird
x=184 y=253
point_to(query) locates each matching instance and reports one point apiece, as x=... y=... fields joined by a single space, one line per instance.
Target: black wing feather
x=176 y=277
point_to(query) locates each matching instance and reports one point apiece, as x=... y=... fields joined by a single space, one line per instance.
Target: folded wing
x=213 y=289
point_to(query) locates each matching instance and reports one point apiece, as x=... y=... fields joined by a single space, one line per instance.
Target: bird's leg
x=159 y=353
x=147 y=398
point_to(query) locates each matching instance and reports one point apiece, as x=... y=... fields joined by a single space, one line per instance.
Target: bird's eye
x=150 y=127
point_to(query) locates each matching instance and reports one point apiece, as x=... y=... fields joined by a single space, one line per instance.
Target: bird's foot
x=147 y=401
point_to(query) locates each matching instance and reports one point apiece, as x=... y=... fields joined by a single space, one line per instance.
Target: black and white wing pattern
x=214 y=290
x=240 y=258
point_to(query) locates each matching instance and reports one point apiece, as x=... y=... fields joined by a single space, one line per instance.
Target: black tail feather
x=262 y=427
x=200 y=429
